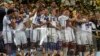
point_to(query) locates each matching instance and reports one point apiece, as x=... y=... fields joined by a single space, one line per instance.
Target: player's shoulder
x=5 y=17
x=91 y=22
x=61 y=16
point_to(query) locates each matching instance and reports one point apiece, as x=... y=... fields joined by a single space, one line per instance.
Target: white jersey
x=35 y=20
x=69 y=34
x=7 y=36
x=6 y=23
x=27 y=30
x=84 y=35
x=87 y=27
x=87 y=32
x=35 y=32
x=53 y=20
x=20 y=37
x=20 y=26
x=52 y=31
x=26 y=18
x=44 y=31
x=62 y=20
x=44 y=19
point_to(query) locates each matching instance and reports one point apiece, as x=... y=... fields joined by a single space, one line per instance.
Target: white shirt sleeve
x=66 y=18
x=20 y=26
x=42 y=19
x=53 y=23
x=93 y=26
x=59 y=20
x=33 y=21
x=26 y=18
x=7 y=20
x=33 y=18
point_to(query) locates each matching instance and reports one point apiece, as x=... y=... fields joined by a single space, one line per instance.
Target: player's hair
x=18 y=54
x=1 y=54
x=10 y=11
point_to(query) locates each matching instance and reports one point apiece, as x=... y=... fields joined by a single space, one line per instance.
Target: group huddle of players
x=48 y=29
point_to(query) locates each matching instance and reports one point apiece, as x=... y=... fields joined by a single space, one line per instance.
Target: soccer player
x=36 y=28
x=53 y=37
x=62 y=20
x=44 y=24
x=20 y=37
x=7 y=32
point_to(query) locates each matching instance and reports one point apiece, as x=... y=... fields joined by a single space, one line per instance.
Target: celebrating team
x=51 y=29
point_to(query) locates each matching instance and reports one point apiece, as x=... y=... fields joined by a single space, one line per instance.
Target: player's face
x=22 y=10
x=66 y=12
x=98 y=15
x=43 y=12
x=11 y=15
x=6 y=5
x=21 y=6
x=69 y=23
x=20 y=16
x=53 y=4
x=85 y=18
x=12 y=5
x=78 y=16
x=46 y=11
x=54 y=12
x=16 y=14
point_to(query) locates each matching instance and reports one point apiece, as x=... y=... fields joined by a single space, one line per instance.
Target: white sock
x=80 y=53
x=65 y=51
x=18 y=49
x=31 y=50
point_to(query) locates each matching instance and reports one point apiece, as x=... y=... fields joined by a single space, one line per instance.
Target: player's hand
x=13 y=20
x=62 y=27
x=58 y=28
